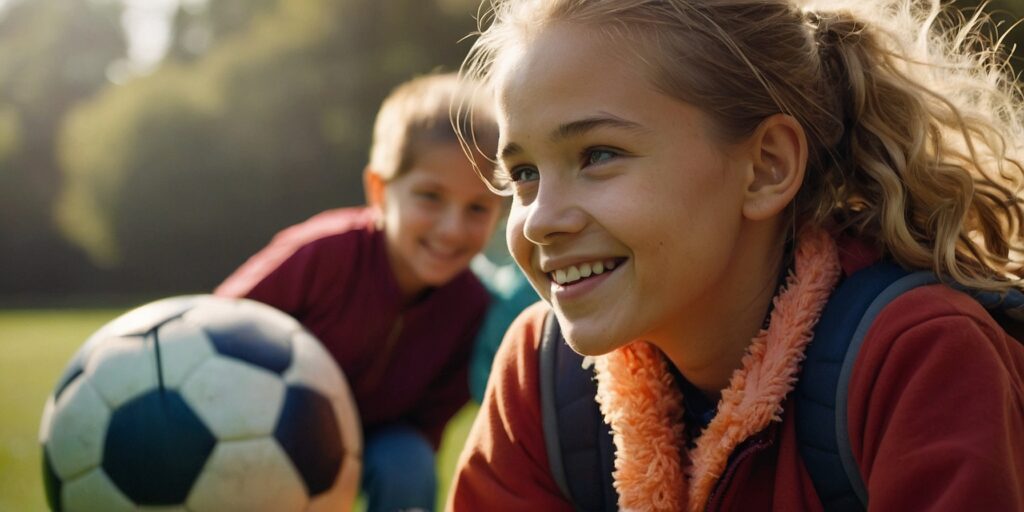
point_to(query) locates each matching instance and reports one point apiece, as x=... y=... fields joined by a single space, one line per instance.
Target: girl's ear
x=778 y=151
x=373 y=186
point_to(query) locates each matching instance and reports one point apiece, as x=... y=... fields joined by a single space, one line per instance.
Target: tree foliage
x=259 y=116
x=173 y=179
x=53 y=54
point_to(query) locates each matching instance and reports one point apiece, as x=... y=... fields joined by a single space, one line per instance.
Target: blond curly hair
x=912 y=117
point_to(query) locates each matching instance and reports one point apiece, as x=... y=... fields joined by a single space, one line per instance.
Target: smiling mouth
x=573 y=274
x=442 y=253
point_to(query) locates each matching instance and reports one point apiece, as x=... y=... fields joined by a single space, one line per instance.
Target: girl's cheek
x=514 y=234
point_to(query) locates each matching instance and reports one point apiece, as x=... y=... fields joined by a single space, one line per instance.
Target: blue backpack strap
x=1006 y=308
x=579 y=443
x=821 y=392
x=548 y=407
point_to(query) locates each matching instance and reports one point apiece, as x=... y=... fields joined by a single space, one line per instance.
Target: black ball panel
x=255 y=343
x=155 y=448
x=308 y=432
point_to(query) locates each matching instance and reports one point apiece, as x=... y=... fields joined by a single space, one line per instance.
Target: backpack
x=577 y=439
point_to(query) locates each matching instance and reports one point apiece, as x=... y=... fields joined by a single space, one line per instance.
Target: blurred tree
x=175 y=178
x=259 y=117
x=197 y=27
x=53 y=54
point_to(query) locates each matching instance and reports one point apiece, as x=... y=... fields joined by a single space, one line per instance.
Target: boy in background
x=387 y=288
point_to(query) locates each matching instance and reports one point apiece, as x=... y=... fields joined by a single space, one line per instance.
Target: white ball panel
x=234 y=400
x=341 y=497
x=122 y=368
x=183 y=347
x=213 y=312
x=44 y=426
x=94 y=492
x=79 y=427
x=314 y=367
x=248 y=476
x=210 y=310
x=140 y=320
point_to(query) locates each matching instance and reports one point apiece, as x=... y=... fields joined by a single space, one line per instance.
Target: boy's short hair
x=418 y=114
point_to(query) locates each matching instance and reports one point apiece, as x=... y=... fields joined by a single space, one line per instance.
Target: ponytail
x=922 y=167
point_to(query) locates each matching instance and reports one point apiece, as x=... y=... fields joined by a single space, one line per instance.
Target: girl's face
x=618 y=181
x=437 y=216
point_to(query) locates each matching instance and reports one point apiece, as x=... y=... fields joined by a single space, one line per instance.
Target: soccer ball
x=201 y=404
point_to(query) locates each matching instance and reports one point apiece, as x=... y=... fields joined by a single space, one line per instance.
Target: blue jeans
x=398 y=470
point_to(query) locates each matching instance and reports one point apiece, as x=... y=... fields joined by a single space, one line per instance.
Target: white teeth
x=560 y=276
x=574 y=273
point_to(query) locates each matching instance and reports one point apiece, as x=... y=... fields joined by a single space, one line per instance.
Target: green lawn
x=34 y=347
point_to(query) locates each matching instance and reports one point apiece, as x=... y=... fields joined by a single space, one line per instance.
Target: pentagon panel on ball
x=201 y=404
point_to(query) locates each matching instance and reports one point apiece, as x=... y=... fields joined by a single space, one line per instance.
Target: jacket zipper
x=380 y=363
x=754 y=446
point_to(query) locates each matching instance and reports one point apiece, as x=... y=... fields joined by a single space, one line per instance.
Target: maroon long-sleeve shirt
x=405 y=363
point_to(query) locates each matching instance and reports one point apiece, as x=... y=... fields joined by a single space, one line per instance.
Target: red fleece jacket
x=405 y=363
x=936 y=420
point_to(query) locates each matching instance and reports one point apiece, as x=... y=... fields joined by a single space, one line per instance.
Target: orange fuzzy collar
x=641 y=403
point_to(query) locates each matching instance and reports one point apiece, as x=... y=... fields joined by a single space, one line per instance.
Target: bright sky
x=147 y=24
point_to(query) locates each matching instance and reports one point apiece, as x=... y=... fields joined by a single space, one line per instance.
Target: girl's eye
x=524 y=173
x=593 y=156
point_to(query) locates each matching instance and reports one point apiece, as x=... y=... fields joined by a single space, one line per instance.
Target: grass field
x=34 y=347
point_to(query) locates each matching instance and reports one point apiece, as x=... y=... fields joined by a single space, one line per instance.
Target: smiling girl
x=691 y=180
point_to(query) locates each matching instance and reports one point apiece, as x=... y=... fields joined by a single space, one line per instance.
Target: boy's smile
x=437 y=216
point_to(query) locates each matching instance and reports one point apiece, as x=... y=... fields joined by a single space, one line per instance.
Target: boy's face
x=437 y=216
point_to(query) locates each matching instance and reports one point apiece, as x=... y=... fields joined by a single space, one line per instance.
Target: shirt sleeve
x=285 y=273
x=936 y=408
x=504 y=465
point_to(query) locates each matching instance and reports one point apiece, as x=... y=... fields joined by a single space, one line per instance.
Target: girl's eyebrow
x=582 y=126
x=509 y=150
x=576 y=129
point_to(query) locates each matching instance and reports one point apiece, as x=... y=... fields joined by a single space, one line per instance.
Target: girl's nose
x=552 y=213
